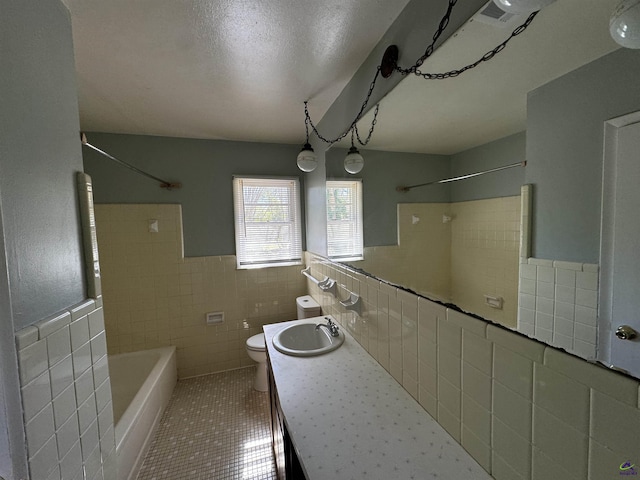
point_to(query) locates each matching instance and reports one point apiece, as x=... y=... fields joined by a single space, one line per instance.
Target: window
x=344 y=220
x=267 y=221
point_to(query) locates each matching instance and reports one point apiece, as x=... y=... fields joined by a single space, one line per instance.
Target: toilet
x=256 y=350
x=307 y=307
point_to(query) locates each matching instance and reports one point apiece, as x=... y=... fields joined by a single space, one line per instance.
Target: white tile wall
x=474 y=255
x=522 y=409
x=59 y=360
x=558 y=304
x=485 y=241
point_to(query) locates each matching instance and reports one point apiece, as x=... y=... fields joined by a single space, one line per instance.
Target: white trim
x=605 y=301
x=352 y=248
x=256 y=245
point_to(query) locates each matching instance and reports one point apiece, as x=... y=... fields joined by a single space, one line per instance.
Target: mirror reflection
x=544 y=100
x=442 y=242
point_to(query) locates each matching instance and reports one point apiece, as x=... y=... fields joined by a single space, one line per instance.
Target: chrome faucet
x=331 y=326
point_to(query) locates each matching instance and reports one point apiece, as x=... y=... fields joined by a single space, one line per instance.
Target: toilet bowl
x=257 y=352
x=306 y=307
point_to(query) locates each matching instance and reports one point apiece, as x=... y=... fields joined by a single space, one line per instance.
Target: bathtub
x=141 y=386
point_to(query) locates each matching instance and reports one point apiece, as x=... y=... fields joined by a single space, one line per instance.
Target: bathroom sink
x=305 y=340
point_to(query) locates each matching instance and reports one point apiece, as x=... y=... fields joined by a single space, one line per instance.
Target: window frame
x=357 y=221
x=244 y=260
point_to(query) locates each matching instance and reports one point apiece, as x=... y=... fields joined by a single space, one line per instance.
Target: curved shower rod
x=163 y=183
x=462 y=177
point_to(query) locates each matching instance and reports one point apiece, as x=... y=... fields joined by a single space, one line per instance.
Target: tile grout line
x=215 y=426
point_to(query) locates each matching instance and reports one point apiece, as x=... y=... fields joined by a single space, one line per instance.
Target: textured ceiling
x=229 y=69
x=241 y=69
x=489 y=102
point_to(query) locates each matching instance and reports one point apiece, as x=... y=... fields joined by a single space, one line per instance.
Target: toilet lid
x=256 y=342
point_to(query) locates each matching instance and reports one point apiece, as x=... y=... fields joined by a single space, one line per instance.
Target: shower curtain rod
x=163 y=184
x=463 y=177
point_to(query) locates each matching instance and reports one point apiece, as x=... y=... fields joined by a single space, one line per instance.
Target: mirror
x=544 y=99
x=458 y=252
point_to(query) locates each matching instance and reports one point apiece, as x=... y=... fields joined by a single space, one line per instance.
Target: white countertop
x=349 y=419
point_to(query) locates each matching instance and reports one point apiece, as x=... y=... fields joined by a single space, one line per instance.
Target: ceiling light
x=307 y=160
x=624 y=25
x=522 y=6
x=353 y=162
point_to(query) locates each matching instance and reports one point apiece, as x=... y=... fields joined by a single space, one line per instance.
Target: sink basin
x=303 y=340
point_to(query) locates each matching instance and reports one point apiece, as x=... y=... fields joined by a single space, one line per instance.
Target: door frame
x=607 y=225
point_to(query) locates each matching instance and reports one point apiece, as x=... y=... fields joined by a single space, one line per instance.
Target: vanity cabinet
x=349 y=418
x=288 y=465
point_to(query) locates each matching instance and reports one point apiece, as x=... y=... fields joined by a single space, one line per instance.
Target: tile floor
x=215 y=427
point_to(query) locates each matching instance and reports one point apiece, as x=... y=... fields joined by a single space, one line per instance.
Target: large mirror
x=544 y=99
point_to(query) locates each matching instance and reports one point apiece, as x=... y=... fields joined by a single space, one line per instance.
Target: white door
x=625 y=252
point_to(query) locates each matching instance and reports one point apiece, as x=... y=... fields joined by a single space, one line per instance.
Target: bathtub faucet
x=332 y=327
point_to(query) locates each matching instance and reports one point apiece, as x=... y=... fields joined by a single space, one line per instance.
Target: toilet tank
x=308 y=307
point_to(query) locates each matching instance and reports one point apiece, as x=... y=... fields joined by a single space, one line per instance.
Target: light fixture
x=307 y=160
x=522 y=6
x=353 y=162
x=624 y=25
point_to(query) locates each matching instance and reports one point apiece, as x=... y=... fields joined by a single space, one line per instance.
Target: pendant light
x=307 y=160
x=624 y=25
x=522 y=6
x=353 y=162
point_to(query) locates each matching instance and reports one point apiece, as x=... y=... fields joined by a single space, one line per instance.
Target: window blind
x=267 y=222
x=344 y=220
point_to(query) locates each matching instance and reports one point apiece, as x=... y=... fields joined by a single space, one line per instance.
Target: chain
x=355 y=120
x=444 y=23
x=373 y=125
x=454 y=73
x=306 y=124
x=415 y=69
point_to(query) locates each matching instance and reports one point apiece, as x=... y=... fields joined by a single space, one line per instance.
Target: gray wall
x=39 y=155
x=42 y=269
x=204 y=167
x=12 y=452
x=5 y=452
x=505 y=183
x=565 y=125
x=316 y=208
x=382 y=173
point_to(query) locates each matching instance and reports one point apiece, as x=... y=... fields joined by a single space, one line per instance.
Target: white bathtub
x=141 y=386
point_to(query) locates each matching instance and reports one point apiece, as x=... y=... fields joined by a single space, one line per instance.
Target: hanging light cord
x=373 y=125
x=306 y=127
x=415 y=69
x=444 y=23
x=355 y=120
